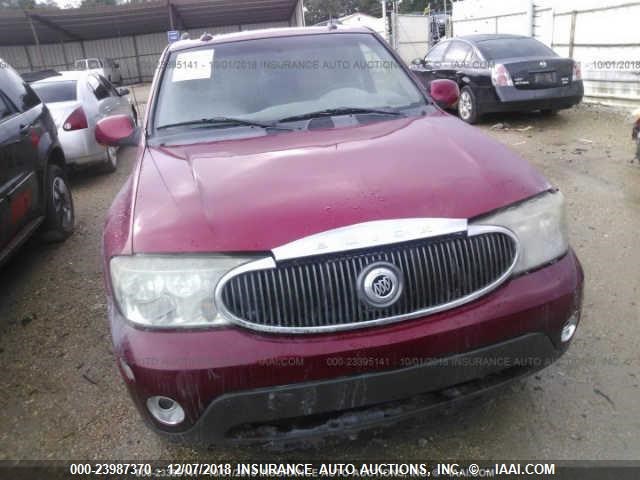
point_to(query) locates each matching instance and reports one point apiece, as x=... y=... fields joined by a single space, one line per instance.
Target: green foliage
x=322 y=10
x=17 y=3
x=97 y=3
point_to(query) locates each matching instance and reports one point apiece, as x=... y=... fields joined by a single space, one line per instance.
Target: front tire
x=60 y=216
x=468 y=106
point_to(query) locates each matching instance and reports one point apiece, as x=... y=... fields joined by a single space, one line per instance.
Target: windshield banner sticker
x=193 y=65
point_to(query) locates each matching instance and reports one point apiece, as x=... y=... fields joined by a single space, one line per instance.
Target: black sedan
x=500 y=73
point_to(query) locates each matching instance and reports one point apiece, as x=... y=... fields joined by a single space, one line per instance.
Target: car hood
x=259 y=193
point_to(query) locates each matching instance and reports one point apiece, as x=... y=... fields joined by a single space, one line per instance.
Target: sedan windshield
x=284 y=79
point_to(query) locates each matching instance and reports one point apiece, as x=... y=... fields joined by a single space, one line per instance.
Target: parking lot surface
x=61 y=396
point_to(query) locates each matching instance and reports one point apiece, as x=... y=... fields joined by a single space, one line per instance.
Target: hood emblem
x=380 y=285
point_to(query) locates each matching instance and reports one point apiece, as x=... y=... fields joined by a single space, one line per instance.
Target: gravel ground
x=61 y=396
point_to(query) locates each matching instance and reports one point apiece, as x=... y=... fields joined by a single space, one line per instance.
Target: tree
x=420 y=6
x=97 y=3
x=322 y=10
x=17 y=3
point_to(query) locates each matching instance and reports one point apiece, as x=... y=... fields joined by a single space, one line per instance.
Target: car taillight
x=500 y=76
x=577 y=72
x=76 y=121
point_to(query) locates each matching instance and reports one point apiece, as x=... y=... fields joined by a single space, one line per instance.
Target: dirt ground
x=61 y=396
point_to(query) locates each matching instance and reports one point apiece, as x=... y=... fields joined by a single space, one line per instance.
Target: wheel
x=111 y=162
x=549 y=112
x=60 y=217
x=468 y=106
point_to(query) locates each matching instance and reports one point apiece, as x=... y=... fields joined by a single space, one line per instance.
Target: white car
x=108 y=68
x=77 y=101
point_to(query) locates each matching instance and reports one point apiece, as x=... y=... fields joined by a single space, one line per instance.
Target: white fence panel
x=411 y=36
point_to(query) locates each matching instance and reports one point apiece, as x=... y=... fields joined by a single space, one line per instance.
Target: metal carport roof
x=20 y=27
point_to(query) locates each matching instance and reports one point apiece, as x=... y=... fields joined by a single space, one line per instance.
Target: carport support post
x=135 y=51
x=36 y=39
x=572 y=34
x=64 y=55
x=29 y=61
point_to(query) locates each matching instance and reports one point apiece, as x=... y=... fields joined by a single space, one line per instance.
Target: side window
x=17 y=91
x=109 y=86
x=99 y=90
x=436 y=53
x=457 y=53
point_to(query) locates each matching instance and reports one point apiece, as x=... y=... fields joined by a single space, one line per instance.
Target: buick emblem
x=380 y=285
x=543 y=64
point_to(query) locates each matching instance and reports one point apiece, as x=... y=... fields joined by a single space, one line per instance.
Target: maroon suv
x=308 y=243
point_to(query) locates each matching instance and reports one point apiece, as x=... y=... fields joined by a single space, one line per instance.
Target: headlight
x=170 y=291
x=541 y=227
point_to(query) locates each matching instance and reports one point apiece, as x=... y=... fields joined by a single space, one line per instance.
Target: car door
x=20 y=131
x=7 y=142
x=428 y=70
x=454 y=62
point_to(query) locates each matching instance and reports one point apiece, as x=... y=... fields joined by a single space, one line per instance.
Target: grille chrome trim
x=269 y=263
x=369 y=234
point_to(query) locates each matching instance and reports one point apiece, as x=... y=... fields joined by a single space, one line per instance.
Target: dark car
x=313 y=249
x=503 y=73
x=34 y=193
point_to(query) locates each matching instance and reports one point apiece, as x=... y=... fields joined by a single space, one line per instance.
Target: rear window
x=514 y=47
x=53 y=92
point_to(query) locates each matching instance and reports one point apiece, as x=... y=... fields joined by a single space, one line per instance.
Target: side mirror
x=117 y=131
x=122 y=91
x=444 y=92
x=418 y=62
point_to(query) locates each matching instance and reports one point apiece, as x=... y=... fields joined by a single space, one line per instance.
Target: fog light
x=569 y=329
x=165 y=410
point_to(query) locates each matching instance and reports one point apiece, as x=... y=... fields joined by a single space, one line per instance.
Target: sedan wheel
x=467 y=106
x=60 y=219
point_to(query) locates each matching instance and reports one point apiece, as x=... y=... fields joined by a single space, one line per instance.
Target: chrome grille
x=320 y=293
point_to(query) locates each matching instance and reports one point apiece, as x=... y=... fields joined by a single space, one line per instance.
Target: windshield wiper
x=222 y=121
x=329 y=112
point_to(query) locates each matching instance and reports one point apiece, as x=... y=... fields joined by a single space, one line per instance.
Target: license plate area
x=545 y=78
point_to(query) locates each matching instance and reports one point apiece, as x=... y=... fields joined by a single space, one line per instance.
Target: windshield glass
x=272 y=79
x=514 y=47
x=52 y=92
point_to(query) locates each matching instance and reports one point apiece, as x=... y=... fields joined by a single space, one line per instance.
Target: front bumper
x=232 y=380
x=349 y=404
x=80 y=147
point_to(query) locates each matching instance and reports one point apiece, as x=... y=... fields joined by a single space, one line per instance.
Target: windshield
x=513 y=48
x=272 y=79
x=52 y=92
